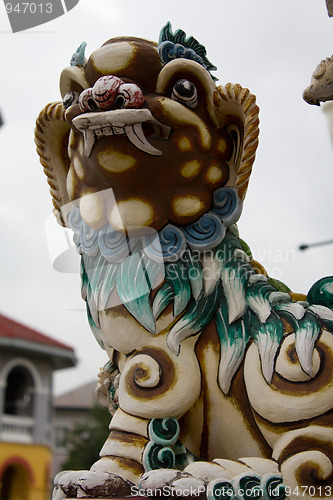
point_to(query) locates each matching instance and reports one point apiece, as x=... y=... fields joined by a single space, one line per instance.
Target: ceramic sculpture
x=219 y=378
x=321 y=85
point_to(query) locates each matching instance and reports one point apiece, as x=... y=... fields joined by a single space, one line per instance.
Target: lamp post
x=305 y=246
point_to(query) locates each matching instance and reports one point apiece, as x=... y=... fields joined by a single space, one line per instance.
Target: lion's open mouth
x=135 y=123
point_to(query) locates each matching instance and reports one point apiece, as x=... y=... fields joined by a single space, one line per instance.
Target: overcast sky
x=269 y=46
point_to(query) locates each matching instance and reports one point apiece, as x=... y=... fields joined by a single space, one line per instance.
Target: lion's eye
x=70 y=98
x=186 y=93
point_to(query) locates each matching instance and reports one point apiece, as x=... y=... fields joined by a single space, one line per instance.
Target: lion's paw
x=170 y=482
x=234 y=480
x=65 y=484
x=89 y=484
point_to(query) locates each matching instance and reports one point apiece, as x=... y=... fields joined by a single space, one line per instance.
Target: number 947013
x=29 y=8
x=309 y=491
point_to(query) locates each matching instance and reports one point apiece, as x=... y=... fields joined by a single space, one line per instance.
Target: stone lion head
x=147 y=121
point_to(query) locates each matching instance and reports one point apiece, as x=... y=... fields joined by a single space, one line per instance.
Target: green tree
x=85 y=440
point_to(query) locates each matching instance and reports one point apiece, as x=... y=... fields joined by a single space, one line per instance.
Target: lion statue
x=219 y=379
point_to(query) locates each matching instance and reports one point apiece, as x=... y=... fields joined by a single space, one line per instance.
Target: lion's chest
x=220 y=425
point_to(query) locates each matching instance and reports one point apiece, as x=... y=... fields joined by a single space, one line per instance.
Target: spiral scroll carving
x=160 y=458
x=287 y=365
x=164 y=431
x=227 y=205
x=169 y=51
x=89 y=240
x=170 y=245
x=113 y=245
x=208 y=232
x=147 y=374
x=293 y=395
x=308 y=474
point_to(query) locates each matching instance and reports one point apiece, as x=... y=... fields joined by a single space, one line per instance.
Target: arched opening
x=19 y=393
x=15 y=483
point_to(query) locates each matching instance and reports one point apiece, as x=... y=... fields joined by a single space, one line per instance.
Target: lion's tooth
x=119 y=122
x=136 y=136
x=89 y=141
x=118 y=130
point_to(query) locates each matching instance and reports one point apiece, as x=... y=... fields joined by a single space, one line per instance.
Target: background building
x=27 y=362
x=70 y=409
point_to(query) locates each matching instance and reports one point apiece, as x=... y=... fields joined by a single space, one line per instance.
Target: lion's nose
x=110 y=92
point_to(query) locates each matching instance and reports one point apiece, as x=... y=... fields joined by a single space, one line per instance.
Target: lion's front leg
x=119 y=467
x=154 y=392
x=122 y=452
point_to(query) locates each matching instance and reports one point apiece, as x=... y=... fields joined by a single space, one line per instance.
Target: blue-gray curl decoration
x=167 y=244
x=205 y=234
x=227 y=204
x=170 y=244
x=88 y=240
x=177 y=45
x=169 y=51
x=75 y=219
x=114 y=246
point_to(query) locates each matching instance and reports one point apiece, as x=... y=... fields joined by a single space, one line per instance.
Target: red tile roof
x=12 y=329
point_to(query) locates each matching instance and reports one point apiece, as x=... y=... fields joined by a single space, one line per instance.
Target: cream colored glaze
x=91 y=208
x=278 y=407
x=118 y=55
x=186 y=206
x=182 y=116
x=131 y=213
x=115 y=161
x=177 y=399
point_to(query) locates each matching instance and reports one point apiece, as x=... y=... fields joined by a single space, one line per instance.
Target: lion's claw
x=65 y=484
x=89 y=484
x=233 y=480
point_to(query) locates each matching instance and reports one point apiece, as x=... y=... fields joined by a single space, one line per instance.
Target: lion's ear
x=240 y=103
x=51 y=137
x=73 y=79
